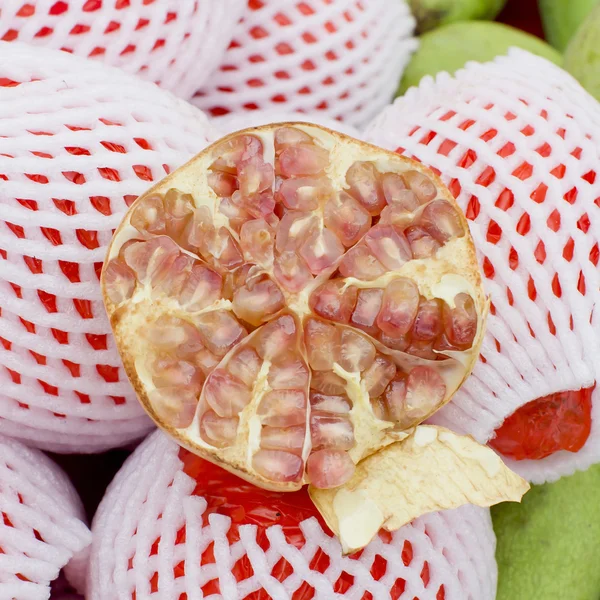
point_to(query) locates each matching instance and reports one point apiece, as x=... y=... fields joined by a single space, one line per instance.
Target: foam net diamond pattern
x=340 y=58
x=75 y=155
x=40 y=525
x=516 y=141
x=155 y=538
x=175 y=43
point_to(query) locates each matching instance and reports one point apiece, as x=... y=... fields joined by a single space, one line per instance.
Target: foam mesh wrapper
x=42 y=528
x=79 y=141
x=176 y=43
x=151 y=498
x=518 y=130
x=342 y=59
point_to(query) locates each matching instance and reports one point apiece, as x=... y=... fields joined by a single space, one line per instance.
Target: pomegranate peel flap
x=293 y=300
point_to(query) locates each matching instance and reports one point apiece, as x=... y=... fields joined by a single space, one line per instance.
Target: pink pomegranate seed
x=290 y=439
x=422 y=349
x=360 y=263
x=236 y=214
x=425 y=390
x=218 y=431
x=245 y=365
x=329 y=468
x=428 y=322
x=225 y=394
x=170 y=278
x=119 y=280
x=219 y=330
x=288 y=371
x=395 y=342
x=399 y=307
x=395 y=398
x=379 y=409
x=331 y=431
x=200 y=230
x=257 y=240
x=174 y=406
x=179 y=210
x=303 y=194
x=145 y=257
x=368 y=305
x=222 y=184
x=170 y=372
x=294 y=229
x=441 y=221
x=327 y=382
x=334 y=301
x=338 y=405
x=321 y=250
x=202 y=288
x=172 y=333
x=356 y=352
x=234 y=150
x=322 y=344
x=257 y=300
x=290 y=136
x=389 y=246
x=149 y=215
x=365 y=186
x=254 y=176
x=206 y=361
x=396 y=193
x=277 y=465
x=396 y=215
x=276 y=337
x=223 y=249
x=421 y=185
x=291 y=271
x=302 y=159
x=461 y=322
x=283 y=408
x=346 y=218
x=421 y=243
x=378 y=375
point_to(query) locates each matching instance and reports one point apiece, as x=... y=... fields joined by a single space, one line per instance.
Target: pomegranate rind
x=432 y=469
x=453 y=271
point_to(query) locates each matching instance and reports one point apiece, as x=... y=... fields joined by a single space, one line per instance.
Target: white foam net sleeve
x=237 y=121
x=150 y=540
x=340 y=58
x=79 y=141
x=516 y=141
x=41 y=522
x=176 y=43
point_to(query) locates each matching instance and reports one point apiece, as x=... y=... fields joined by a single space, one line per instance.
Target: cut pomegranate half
x=293 y=300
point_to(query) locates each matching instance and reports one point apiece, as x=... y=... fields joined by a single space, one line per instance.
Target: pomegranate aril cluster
x=281 y=293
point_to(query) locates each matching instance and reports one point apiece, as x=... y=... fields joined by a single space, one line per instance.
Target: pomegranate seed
x=218 y=431
x=234 y=150
x=368 y=305
x=294 y=229
x=360 y=263
x=328 y=431
x=254 y=176
x=302 y=194
x=277 y=465
x=399 y=307
x=395 y=342
x=290 y=136
x=174 y=406
x=291 y=272
x=357 y=353
x=379 y=409
x=257 y=240
x=202 y=288
x=171 y=276
x=149 y=215
x=290 y=439
x=397 y=195
x=146 y=257
x=425 y=391
x=329 y=468
x=222 y=248
x=363 y=179
x=389 y=246
x=322 y=344
x=225 y=394
x=346 y=218
x=441 y=221
x=460 y=322
x=321 y=250
x=245 y=365
x=421 y=243
x=222 y=184
x=283 y=408
x=276 y=337
x=338 y=405
x=257 y=300
x=219 y=331
x=287 y=371
x=333 y=300
x=171 y=333
x=422 y=350
x=421 y=185
x=327 y=382
x=119 y=280
x=302 y=159
x=377 y=377
x=428 y=322
x=179 y=210
x=170 y=372
x=395 y=398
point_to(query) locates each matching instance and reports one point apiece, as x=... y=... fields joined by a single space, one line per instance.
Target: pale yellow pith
x=451 y=271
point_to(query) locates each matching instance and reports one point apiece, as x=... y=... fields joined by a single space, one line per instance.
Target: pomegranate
x=174 y=44
x=173 y=525
x=269 y=310
x=42 y=527
x=503 y=136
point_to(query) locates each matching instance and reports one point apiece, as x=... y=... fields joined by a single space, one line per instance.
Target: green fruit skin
x=582 y=57
x=561 y=18
x=433 y=13
x=450 y=47
x=548 y=546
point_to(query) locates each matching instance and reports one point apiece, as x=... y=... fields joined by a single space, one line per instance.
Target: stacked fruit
x=294 y=306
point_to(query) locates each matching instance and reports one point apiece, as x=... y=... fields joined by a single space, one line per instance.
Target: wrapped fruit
x=79 y=141
x=176 y=44
x=341 y=58
x=42 y=529
x=293 y=300
x=516 y=142
x=435 y=13
x=174 y=526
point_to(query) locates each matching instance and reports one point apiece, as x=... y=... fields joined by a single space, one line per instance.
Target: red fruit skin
x=560 y=421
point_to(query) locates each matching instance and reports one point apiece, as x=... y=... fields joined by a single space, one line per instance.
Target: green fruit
x=433 y=13
x=582 y=57
x=548 y=546
x=450 y=47
x=561 y=18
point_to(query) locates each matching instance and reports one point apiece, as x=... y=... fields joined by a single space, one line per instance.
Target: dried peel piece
x=432 y=469
x=293 y=300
